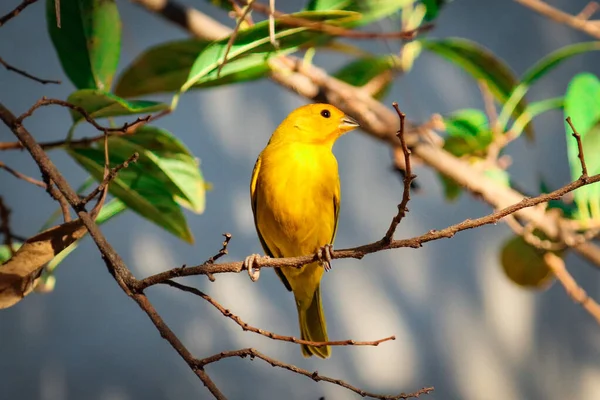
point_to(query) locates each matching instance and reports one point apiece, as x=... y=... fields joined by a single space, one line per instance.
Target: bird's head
x=314 y=123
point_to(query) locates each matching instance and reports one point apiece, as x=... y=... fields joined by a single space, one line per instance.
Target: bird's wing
x=336 y=209
x=253 y=198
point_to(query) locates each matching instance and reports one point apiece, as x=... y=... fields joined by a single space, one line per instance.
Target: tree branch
x=579 y=22
x=122 y=274
x=24 y=4
x=246 y=327
x=315 y=376
x=26 y=74
x=376 y=120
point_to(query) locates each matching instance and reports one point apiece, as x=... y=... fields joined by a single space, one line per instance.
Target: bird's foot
x=325 y=254
x=254 y=274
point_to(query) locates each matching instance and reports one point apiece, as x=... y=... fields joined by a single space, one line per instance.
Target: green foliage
x=582 y=104
x=370 y=10
x=540 y=69
x=165 y=68
x=481 y=63
x=101 y=104
x=166 y=174
x=469 y=133
x=433 y=8
x=88 y=42
x=252 y=46
x=533 y=110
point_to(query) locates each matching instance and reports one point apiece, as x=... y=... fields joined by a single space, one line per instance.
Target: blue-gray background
x=460 y=325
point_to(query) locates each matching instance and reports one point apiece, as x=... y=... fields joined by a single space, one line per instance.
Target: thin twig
x=575 y=22
x=125 y=129
x=408 y=179
x=337 y=30
x=27 y=75
x=58 y=196
x=4 y=19
x=5 y=227
x=580 y=155
x=315 y=376
x=557 y=265
x=109 y=176
x=24 y=177
x=246 y=327
x=233 y=35
x=221 y=252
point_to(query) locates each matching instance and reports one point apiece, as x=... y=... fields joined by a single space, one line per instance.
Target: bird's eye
x=325 y=113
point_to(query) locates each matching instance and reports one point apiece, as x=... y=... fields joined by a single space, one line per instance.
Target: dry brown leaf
x=19 y=274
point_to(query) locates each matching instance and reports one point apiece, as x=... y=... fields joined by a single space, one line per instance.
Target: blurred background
x=460 y=325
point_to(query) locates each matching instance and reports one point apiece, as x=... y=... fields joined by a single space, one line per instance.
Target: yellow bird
x=295 y=194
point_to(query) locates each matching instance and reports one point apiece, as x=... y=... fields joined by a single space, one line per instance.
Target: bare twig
x=125 y=129
x=241 y=19
x=557 y=265
x=408 y=179
x=4 y=19
x=221 y=252
x=24 y=177
x=26 y=74
x=580 y=155
x=246 y=327
x=109 y=176
x=58 y=196
x=578 y=22
x=315 y=376
x=5 y=227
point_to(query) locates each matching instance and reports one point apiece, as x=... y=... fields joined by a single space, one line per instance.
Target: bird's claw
x=325 y=255
x=254 y=274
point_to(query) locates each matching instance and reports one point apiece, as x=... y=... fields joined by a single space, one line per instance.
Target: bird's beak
x=348 y=123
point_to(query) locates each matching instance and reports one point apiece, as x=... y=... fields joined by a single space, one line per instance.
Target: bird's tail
x=313 y=326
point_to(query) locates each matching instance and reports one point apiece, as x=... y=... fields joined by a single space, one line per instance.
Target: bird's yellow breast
x=297 y=190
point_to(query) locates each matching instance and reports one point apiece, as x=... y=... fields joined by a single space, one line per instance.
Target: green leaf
x=533 y=110
x=582 y=104
x=469 y=133
x=536 y=72
x=362 y=71
x=88 y=42
x=524 y=264
x=137 y=187
x=433 y=8
x=164 y=157
x=100 y=104
x=165 y=68
x=482 y=64
x=370 y=10
x=252 y=46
